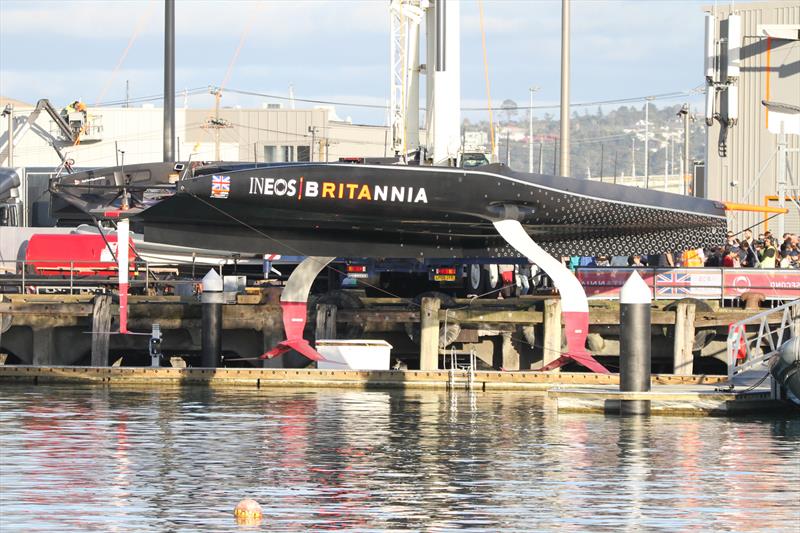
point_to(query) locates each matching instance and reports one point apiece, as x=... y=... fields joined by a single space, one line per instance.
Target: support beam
x=429 y=334
x=44 y=347
x=551 y=346
x=326 y=322
x=684 y=339
x=509 y=353
x=123 y=244
x=271 y=337
x=101 y=327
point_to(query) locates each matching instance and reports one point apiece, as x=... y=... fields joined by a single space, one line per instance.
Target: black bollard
x=211 y=340
x=634 y=343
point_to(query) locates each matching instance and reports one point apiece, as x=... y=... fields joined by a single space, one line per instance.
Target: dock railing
x=76 y=277
x=752 y=342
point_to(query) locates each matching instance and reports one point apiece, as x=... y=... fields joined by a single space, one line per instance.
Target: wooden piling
x=101 y=327
x=44 y=347
x=326 y=322
x=683 y=361
x=271 y=336
x=551 y=344
x=510 y=354
x=429 y=334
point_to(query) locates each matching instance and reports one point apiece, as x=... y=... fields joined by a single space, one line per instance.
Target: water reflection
x=77 y=459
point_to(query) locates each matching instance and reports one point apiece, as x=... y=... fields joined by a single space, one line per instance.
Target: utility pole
x=530 y=132
x=217 y=96
x=565 y=170
x=633 y=157
x=216 y=123
x=313 y=131
x=555 y=155
x=541 y=150
x=602 y=156
x=508 y=148
x=616 y=153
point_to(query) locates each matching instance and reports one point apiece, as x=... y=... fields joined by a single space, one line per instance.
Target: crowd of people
x=766 y=251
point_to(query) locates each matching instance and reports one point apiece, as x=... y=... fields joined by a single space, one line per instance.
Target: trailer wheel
x=342 y=300
x=492 y=280
x=447 y=334
x=474 y=281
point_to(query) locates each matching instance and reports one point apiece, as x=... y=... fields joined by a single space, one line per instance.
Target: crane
x=442 y=69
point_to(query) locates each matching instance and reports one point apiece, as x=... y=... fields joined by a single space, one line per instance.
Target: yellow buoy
x=248 y=510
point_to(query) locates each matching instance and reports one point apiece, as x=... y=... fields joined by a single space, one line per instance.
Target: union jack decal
x=674 y=277
x=673 y=283
x=673 y=291
x=220 y=186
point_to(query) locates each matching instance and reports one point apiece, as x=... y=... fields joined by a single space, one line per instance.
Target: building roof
x=5 y=100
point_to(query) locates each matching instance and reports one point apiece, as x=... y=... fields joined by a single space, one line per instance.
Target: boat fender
x=741 y=350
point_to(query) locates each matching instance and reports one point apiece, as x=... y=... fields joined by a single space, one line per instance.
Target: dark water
x=97 y=459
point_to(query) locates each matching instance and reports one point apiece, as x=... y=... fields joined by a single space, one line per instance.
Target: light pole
x=530 y=131
x=565 y=170
x=684 y=112
x=646 y=144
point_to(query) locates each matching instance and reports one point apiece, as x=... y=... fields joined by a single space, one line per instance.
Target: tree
x=510 y=108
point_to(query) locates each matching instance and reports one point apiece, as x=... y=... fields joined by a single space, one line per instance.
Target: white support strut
x=574 y=304
x=123 y=244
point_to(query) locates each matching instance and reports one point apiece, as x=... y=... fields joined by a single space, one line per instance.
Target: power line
x=662 y=96
x=204 y=90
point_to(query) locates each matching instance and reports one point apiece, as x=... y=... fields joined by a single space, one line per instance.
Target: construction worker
x=71 y=108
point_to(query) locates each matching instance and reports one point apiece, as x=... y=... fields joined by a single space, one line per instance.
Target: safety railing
x=753 y=341
x=65 y=276
x=711 y=283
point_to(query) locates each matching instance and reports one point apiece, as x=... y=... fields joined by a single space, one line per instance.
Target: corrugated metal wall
x=748 y=171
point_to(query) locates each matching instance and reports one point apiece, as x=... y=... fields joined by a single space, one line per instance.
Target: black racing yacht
x=361 y=210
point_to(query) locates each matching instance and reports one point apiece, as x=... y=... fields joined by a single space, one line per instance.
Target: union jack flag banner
x=220 y=186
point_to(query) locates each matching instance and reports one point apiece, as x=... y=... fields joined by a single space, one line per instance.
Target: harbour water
x=179 y=459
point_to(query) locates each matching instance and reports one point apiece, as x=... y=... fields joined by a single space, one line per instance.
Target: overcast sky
x=339 y=50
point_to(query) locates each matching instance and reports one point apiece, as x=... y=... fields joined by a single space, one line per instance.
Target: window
x=304 y=153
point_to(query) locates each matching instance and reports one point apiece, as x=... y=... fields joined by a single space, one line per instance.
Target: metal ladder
x=460 y=370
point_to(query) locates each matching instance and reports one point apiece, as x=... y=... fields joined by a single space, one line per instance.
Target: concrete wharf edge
x=258 y=377
x=597 y=393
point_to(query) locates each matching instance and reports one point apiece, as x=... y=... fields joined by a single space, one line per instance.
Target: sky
x=338 y=50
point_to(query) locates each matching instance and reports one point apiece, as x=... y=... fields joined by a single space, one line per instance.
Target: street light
x=646 y=139
x=530 y=130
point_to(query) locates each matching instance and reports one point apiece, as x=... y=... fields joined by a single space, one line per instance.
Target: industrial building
x=271 y=134
x=753 y=148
